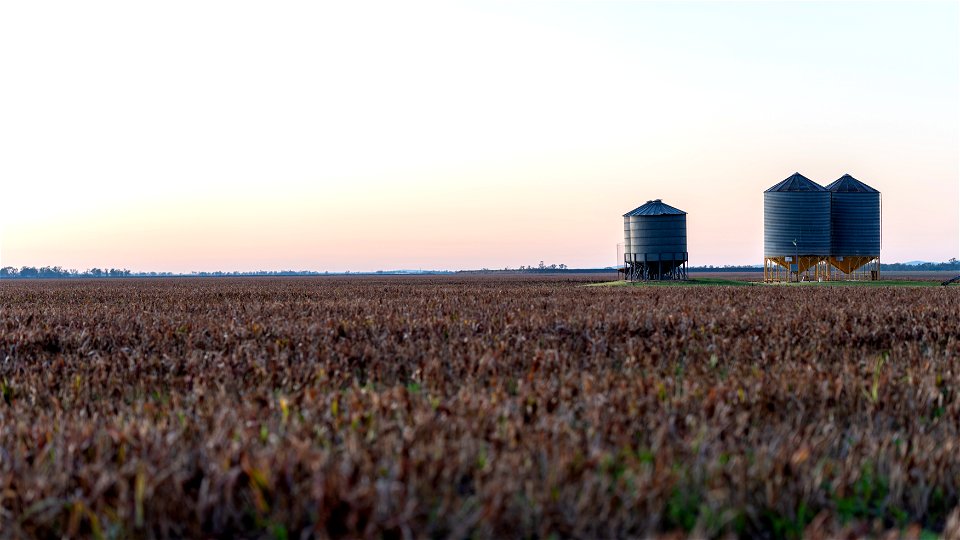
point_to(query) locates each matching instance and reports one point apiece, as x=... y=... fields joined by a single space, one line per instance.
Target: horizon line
x=12 y=272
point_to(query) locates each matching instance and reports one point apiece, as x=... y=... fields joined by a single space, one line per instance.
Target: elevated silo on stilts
x=796 y=230
x=655 y=242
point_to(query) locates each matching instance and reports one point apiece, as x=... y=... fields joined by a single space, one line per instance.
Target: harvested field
x=886 y=275
x=919 y=276
x=505 y=407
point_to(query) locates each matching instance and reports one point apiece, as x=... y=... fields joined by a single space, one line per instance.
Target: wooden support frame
x=814 y=268
x=808 y=268
x=855 y=268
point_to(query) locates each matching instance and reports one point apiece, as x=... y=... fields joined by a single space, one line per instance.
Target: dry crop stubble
x=495 y=407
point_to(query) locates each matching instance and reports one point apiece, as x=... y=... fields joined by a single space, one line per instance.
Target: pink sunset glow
x=182 y=137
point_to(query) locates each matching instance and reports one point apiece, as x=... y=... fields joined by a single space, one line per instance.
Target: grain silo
x=796 y=230
x=855 y=229
x=655 y=242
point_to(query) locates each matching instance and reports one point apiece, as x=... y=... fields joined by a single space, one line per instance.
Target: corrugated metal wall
x=627 y=244
x=800 y=215
x=658 y=235
x=855 y=218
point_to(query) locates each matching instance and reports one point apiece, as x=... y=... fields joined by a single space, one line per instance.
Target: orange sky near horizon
x=236 y=136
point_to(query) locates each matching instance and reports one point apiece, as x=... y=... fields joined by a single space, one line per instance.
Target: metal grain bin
x=855 y=224
x=796 y=210
x=627 y=245
x=655 y=242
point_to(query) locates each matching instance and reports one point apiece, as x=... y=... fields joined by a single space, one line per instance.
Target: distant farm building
x=655 y=242
x=815 y=233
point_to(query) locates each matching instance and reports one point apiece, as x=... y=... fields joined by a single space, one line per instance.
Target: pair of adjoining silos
x=811 y=232
x=655 y=242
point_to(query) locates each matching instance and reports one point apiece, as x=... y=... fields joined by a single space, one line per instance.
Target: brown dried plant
x=475 y=407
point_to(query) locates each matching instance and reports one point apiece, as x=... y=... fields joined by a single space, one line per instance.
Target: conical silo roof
x=655 y=207
x=849 y=184
x=796 y=182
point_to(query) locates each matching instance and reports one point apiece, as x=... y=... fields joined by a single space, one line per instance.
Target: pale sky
x=202 y=135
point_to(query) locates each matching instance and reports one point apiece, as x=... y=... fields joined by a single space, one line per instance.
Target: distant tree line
x=953 y=265
x=542 y=267
x=47 y=272
x=539 y=268
x=58 y=272
x=725 y=268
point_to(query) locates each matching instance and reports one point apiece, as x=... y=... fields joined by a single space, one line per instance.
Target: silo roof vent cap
x=655 y=207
